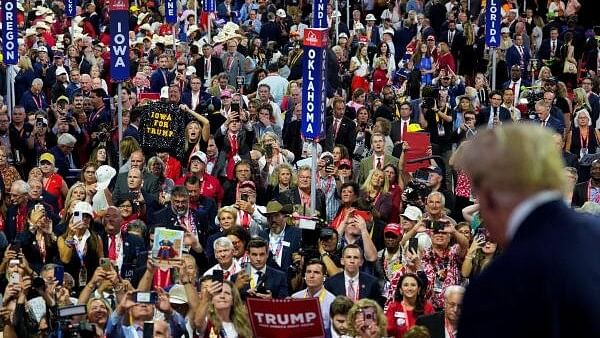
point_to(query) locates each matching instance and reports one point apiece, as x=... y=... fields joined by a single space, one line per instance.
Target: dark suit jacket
x=580 y=193
x=545 y=49
x=458 y=42
x=292 y=237
x=245 y=140
x=514 y=58
x=150 y=185
x=434 y=323
x=556 y=124
x=292 y=196
x=61 y=163
x=157 y=81
x=484 y=115
x=134 y=255
x=216 y=67
x=275 y=281
x=166 y=218
x=346 y=134
x=554 y=252
x=28 y=102
x=369 y=286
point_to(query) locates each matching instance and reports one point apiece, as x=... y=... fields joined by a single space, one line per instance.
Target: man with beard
x=162 y=76
x=179 y=216
x=388 y=108
x=588 y=190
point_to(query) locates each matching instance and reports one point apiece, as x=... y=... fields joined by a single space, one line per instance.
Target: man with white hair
x=63 y=156
x=34 y=99
x=223 y=249
x=545 y=282
x=443 y=324
x=16 y=215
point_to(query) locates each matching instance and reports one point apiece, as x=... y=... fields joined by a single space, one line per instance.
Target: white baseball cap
x=412 y=213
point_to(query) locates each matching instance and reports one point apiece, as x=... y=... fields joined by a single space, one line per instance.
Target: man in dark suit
x=454 y=38
x=551 y=248
x=150 y=186
x=441 y=322
x=162 y=76
x=351 y=282
x=340 y=129
x=208 y=65
x=583 y=190
x=548 y=120
x=550 y=50
x=179 y=216
x=262 y=280
x=125 y=250
x=300 y=195
x=284 y=240
x=494 y=114
x=518 y=55
x=515 y=83
x=593 y=99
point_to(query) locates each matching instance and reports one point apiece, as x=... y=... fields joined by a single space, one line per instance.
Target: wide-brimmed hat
x=273 y=207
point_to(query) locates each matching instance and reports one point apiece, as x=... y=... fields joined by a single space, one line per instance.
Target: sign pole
x=493 y=19
x=337 y=22
x=120 y=117
x=9 y=91
x=12 y=77
x=119 y=54
x=196 y=12
x=493 y=69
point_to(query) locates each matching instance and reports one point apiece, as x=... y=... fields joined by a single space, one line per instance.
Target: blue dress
x=426 y=64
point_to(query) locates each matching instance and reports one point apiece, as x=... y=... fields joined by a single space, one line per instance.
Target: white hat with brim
x=104 y=175
x=146 y=27
x=30 y=32
x=42 y=25
x=192 y=29
x=141 y=17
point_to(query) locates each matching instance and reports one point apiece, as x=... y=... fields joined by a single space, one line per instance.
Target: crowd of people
x=394 y=245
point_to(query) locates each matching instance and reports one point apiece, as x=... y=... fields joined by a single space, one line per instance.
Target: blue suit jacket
x=157 y=81
x=514 y=58
x=275 y=281
x=29 y=104
x=484 y=116
x=555 y=123
x=292 y=236
x=545 y=283
x=369 y=286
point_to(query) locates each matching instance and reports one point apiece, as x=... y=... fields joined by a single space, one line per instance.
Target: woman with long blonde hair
x=221 y=310
x=24 y=77
x=376 y=190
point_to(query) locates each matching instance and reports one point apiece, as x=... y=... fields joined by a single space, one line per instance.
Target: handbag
x=570 y=67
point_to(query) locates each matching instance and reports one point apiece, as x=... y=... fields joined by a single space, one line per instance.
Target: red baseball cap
x=345 y=162
x=393 y=228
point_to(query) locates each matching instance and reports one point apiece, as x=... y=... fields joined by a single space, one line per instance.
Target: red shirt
x=399 y=320
x=209 y=187
x=446 y=62
x=172 y=168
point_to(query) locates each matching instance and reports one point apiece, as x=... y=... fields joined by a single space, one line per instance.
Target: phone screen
x=368 y=316
x=413 y=244
x=59 y=274
x=217 y=276
x=77 y=217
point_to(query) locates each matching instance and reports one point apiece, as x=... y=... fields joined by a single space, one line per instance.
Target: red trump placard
x=286 y=318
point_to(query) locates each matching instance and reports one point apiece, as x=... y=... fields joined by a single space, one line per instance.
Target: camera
x=67 y=328
x=326 y=233
x=437 y=226
x=416 y=191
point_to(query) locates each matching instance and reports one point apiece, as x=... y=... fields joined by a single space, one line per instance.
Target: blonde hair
x=580 y=97
x=517 y=158
x=368 y=185
x=229 y=210
x=128 y=146
x=274 y=178
x=357 y=308
x=69 y=198
x=238 y=314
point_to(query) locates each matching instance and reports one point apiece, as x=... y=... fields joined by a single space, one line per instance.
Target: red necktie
x=404 y=129
x=112 y=248
x=234 y=144
x=514 y=85
x=229 y=62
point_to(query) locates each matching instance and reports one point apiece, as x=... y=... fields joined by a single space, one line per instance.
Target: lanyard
x=38 y=104
x=279 y=246
x=321 y=295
